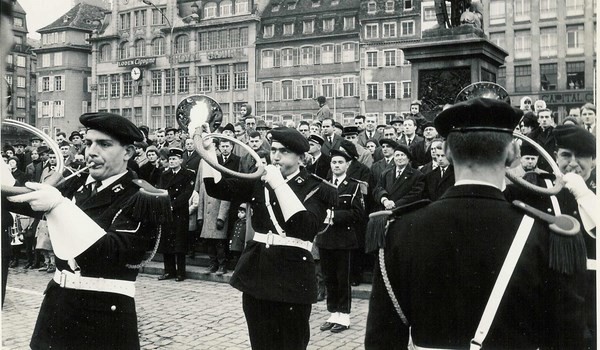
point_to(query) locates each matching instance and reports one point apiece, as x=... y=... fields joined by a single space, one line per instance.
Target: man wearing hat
x=171 y=140
x=387 y=147
x=99 y=241
x=422 y=149
x=276 y=271
x=320 y=163
x=364 y=156
x=20 y=154
x=527 y=162
x=324 y=111
x=77 y=145
x=337 y=242
x=401 y=184
x=179 y=182
x=397 y=122
x=262 y=128
x=442 y=260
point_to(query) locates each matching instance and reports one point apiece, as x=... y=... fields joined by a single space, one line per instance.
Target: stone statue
x=462 y=12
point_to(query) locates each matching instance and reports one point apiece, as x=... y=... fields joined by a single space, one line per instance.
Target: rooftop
x=82 y=17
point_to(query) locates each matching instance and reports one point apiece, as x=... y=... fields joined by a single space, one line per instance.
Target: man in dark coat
x=179 y=182
x=191 y=158
x=99 y=242
x=387 y=162
x=401 y=184
x=337 y=242
x=332 y=140
x=544 y=136
x=276 y=271
x=440 y=179
x=320 y=163
x=442 y=261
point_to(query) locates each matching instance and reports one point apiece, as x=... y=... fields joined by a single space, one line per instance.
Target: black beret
x=114 y=125
x=427 y=124
x=290 y=138
x=337 y=152
x=576 y=139
x=350 y=130
x=229 y=127
x=404 y=149
x=42 y=149
x=380 y=126
x=339 y=126
x=530 y=120
x=170 y=129
x=528 y=150
x=479 y=114
x=74 y=134
x=64 y=143
x=175 y=152
x=388 y=142
x=350 y=148
x=316 y=138
x=321 y=99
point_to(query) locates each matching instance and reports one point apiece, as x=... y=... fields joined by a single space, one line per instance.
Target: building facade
x=148 y=56
x=20 y=71
x=387 y=25
x=551 y=46
x=64 y=69
x=307 y=49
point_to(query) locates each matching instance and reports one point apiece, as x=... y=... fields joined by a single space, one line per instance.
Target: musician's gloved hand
x=273 y=176
x=220 y=224
x=43 y=198
x=576 y=185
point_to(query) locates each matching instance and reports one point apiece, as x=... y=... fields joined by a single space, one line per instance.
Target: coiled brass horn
x=491 y=90
x=60 y=164
x=195 y=112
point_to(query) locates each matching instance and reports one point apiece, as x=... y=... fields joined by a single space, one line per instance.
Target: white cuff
x=71 y=230
x=288 y=201
x=208 y=172
x=589 y=207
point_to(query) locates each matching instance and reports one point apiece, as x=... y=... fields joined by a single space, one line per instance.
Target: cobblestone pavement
x=173 y=315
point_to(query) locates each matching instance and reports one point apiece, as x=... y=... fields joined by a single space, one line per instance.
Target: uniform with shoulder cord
x=470 y=269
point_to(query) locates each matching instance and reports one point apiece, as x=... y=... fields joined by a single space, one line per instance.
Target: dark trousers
x=217 y=251
x=336 y=268
x=275 y=325
x=30 y=252
x=175 y=264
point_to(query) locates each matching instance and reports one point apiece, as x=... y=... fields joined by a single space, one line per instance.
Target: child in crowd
x=237 y=241
x=45 y=246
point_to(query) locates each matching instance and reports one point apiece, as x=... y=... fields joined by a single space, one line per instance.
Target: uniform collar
x=106 y=182
x=293 y=175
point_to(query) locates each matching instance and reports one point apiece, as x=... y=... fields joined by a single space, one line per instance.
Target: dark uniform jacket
x=436 y=184
x=180 y=186
x=321 y=167
x=546 y=139
x=76 y=319
x=277 y=273
x=191 y=162
x=406 y=189
x=349 y=213
x=442 y=262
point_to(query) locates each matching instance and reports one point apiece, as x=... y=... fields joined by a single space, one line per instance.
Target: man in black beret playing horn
x=471 y=269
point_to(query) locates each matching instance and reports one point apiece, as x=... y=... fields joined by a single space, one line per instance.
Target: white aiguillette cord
x=502 y=282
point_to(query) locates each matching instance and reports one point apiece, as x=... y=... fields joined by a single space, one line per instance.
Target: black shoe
x=13 y=264
x=180 y=278
x=355 y=283
x=211 y=269
x=51 y=269
x=327 y=326
x=27 y=266
x=338 y=328
x=44 y=268
x=166 y=276
x=222 y=270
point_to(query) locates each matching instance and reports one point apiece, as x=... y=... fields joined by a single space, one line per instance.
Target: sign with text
x=211 y=55
x=571 y=97
x=137 y=62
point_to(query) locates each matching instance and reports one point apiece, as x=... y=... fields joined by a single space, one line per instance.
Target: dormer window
x=371 y=7
x=308 y=27
x=328 y=24
x=288 y=28
x=389 y=6
x=268 y=31
x=316 y=3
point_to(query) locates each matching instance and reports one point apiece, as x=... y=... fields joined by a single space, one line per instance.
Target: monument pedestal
x=447 y=60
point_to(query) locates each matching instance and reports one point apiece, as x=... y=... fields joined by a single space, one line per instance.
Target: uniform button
x=113 y=308
x=549 y=210
x=575 y=213
x=303 y=258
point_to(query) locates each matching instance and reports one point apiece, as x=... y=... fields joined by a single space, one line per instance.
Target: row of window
x=308 y=27
x=307 y=89
x=385 y=58
x=548 y=40
x=21 y=80
x=209 y=78
x=52 y=59
x=387 y=6
x=51 y=83
x=575 y=78
x=522 y=9
x=389 y=30
x=137 y=18
x=310 y=55
x=53 y=38
x=21 y=60
x=51 y=109
x=388 y=90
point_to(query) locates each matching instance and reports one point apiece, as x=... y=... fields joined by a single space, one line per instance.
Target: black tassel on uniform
x=150 y=204
x=567 y=253
x=376 y=230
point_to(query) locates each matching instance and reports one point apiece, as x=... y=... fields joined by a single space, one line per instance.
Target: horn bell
x=197 y=110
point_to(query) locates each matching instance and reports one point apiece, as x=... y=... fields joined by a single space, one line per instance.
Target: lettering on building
x=577 y=97
x=137 y=62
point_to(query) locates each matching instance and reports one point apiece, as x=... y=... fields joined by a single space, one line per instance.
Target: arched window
x=104 y=53
x=158 y=46
x=210 y=10
x=225 y=8
x=123 y=50
x=241 y=7
x=181 y=44
x=140 y=48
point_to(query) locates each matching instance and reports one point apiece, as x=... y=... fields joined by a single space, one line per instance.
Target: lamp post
x=171 y=45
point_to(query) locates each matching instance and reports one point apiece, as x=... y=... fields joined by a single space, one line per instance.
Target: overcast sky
x=40 y=13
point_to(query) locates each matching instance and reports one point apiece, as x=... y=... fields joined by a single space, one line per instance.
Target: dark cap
x=339 y=126
x=404 y=149
x=174 y=130
x=397 y=119
x=174 y=151
x=388 y=142
x=42 y=149
x=350 y=148
x=337 y=152
x=229 y=127
x=350 y=130
x=290 y=138
x=141 y=144
x=381 y=126
x=64 y=144
x=316 y=138
x=479 y=114
x=20 y=143
x=114 y=125
x=74 y=134
x=321 y=99
x=528 y=150
x=530 y=120
x=261 y=125
x=576 y=139
x=33 y=138
x=415 y=102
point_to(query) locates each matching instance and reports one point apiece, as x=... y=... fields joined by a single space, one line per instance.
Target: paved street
x=187 y=315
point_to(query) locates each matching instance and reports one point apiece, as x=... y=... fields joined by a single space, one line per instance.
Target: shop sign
x=137 y=62
x=579 y=97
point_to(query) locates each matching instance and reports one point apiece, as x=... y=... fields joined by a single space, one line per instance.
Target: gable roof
x=80 y=17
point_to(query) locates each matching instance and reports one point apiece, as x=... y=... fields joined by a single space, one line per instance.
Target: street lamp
x=171 y=43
